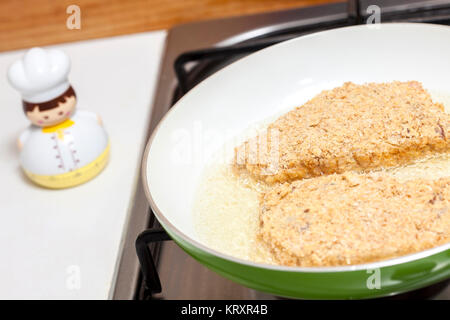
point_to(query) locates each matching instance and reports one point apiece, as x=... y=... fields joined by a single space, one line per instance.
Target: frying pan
x=262 y=85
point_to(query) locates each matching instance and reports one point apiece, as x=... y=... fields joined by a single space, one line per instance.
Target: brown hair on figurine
x=29 y=106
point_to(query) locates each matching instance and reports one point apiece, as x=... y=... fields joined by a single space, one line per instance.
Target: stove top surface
x=192 y=53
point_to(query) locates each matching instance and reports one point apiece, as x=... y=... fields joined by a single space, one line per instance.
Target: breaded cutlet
x=351 y=218
x=350 y=128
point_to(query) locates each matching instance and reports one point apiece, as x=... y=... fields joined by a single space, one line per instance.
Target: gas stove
x=193 y=52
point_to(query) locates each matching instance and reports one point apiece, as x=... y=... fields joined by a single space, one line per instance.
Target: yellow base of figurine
x=73 y=178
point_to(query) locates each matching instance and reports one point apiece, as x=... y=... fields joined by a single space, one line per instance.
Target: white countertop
x=64 y=244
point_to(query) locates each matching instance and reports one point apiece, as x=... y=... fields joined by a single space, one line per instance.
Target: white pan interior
x=275 y=79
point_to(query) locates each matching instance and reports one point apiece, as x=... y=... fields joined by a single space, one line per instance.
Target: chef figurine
x=63 y=147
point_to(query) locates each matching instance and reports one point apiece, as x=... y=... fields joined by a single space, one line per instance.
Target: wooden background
x=27 y=23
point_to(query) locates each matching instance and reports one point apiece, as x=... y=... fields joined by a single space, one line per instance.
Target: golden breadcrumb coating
x=350 y=218
x=350 y=128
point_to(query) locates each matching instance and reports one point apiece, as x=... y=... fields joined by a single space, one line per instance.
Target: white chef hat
x=41 y=74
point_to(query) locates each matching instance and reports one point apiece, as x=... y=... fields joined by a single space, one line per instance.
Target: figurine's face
x=53 y=116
